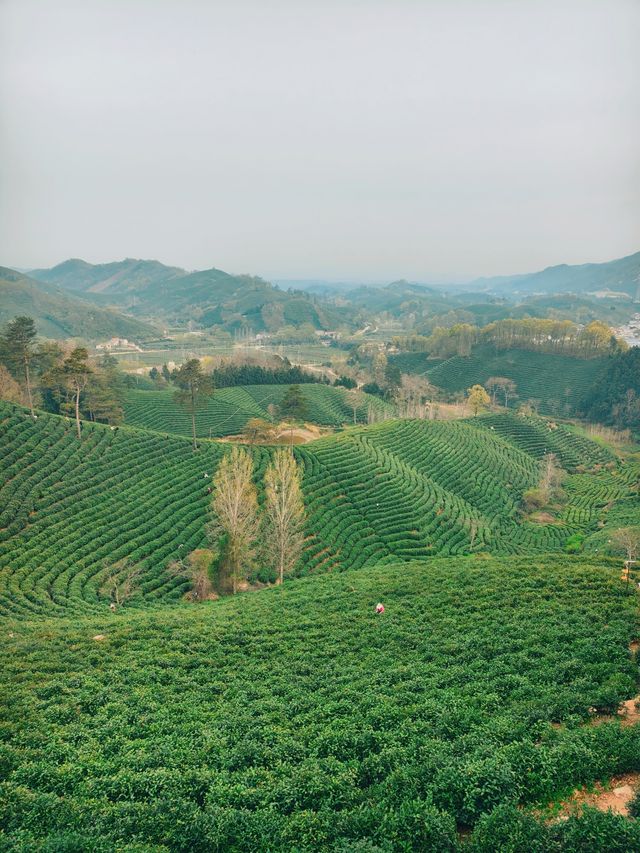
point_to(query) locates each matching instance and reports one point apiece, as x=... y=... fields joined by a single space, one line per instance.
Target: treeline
x=558 y=336
x=615 y=397
x=232 y=375
x=58 y=379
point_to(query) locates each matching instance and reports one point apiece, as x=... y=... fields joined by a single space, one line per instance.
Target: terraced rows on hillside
x=398 y=490
x=559 y=383
x=228 y=410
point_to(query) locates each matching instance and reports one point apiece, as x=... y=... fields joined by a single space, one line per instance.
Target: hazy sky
x=377 y=139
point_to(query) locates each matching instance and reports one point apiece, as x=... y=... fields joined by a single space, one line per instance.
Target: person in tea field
x=379 y=608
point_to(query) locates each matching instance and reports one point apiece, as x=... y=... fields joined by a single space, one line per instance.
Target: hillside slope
x=209 y=297
x=621 y=275
x=59 y=314
x=229 y=409
x=117 y=278
x=297 y=719
x=399 y=490
x=557 y=383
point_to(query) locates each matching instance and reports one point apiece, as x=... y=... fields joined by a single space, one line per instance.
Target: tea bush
x=298 y=719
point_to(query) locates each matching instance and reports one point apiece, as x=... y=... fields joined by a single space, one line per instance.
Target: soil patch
x=543 y=518
x=615 y=797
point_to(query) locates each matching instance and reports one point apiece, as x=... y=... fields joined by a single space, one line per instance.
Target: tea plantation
x=297 y=719
x=229 y=409
x=294 y=718
x=398 y=490
x=558 y=383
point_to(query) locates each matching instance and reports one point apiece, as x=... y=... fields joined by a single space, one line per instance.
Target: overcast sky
x=424 y=139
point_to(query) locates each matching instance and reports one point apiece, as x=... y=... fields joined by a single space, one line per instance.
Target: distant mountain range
x=60 y=314
x=211 y=297
x=152 y=291
x=619 y=276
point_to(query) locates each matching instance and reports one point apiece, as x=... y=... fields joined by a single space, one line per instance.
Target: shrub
x=594 y=831
x=509 y=830
x=534 y=499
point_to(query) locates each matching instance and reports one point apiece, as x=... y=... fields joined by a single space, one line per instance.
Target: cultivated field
x=297 y=719
x=398 y=490
x=229 y=409
x=557 y=383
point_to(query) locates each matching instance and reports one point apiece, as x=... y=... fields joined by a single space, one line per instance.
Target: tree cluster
x=559 y=336
x=242 y=530
x=615 y=397
x=64 y=381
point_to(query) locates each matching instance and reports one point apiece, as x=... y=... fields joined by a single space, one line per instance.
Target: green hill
x=229 y=409
x=619 y=276
x=210 y=297
x=116 y=278
x=297 y=719
x=399 y=490
x=59 y=314
x=558 y=383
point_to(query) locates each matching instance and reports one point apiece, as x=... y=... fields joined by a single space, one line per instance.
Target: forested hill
x=60 y=314
x=212 y=297
x=620 y=276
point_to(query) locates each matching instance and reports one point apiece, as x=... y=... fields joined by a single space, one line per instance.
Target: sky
x=431 y=140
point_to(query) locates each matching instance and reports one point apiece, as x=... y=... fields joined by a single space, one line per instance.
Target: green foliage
x=509 y=830
x=59 y=314
x=558 y=382
x=233 y=375
x=227 y=412
x=398 y=490
x=615 y=396
x=293 y=404
x=346 y=382
x=574 y=544
x=596 y=831
x=298 y=719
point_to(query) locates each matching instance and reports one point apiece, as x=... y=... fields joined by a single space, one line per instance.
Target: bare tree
x=235 y=508
x=196 y=568
x=121 y=581
x=552 y=474
x=501 y=383
x=628 y=540
x=258 y=429
x=284 y=509
x=9 y=388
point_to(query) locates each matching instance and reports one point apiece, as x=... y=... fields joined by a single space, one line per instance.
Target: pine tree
x=293 y=404
x=18 y=348
x=193 y=385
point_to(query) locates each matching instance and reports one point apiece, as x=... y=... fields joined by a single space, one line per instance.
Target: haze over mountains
x=61 y=314
x=620 y=276
x=211 y=297
x=126 y=298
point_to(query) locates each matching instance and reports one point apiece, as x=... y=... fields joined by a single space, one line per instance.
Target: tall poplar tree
x=284 y=510
x=235 y=510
